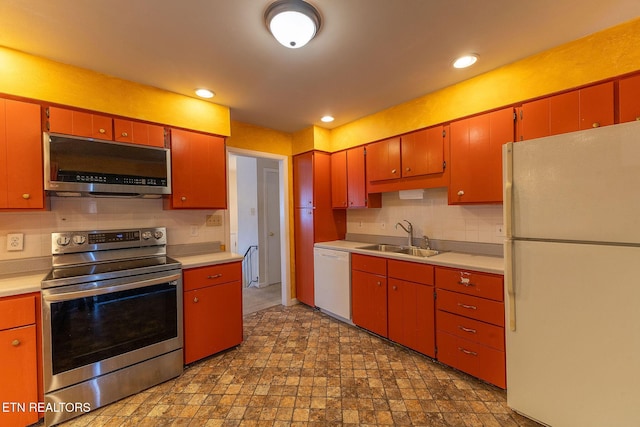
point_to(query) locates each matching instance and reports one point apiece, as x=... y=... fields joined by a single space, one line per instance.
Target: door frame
x=285 y=238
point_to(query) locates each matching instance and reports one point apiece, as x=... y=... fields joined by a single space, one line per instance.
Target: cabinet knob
x=183 y=198
x=351 y=203
x=393 y=171
x=124 y=134
x=102 y=130
x=15 y=343
x=461 y=193
x=408 y=169
x=596 y=125
x=379 y=283
x=195 y=299
x=638 y=119
x=26 y=196
x=395 y=288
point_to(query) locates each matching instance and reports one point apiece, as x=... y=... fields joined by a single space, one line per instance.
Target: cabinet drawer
x=199 y=277
x=471 y=283
x=472 y=330
x=369 y=264
x=17 y=311
x=480 y=361
x=473 y=307
x=411 y=271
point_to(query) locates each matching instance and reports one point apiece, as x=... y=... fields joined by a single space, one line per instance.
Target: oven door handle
x=171 y=280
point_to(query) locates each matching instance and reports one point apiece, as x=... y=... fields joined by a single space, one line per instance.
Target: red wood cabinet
x=314 y=219
x=629 y=99
x=348 y=181
x=423 y=152
x=198 y=171
x=383 y=160
x=369 y=300
x=138 y=133
x=21 y=180
x=212 y=310
x=579 y=109
x=476 y=157
x=71 y=122
x=18 y=358
x=470 y=323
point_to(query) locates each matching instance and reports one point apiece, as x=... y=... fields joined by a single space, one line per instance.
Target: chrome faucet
x=408 y=229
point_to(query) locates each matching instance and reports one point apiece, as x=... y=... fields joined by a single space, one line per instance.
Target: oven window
x=91 y=329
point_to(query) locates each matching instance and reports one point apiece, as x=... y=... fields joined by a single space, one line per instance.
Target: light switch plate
x=15 y=242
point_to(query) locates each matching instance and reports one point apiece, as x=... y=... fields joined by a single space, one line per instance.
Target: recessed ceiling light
x=327 y=119
x=292 y=22
x=465 y=61
x=204 y=93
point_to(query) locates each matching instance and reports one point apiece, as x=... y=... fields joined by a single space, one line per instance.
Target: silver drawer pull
x=215 y=276
x=471 y=331
x=469 y=352
x=466 y=283
x=469 y=307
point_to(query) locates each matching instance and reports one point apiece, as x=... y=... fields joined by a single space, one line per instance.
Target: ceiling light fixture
x=204 y=93
x=327 y=119
x=292 y=22
x=465 y=61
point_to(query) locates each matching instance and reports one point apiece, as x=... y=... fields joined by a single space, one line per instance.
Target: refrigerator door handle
x=507 y=173
x=509 y=285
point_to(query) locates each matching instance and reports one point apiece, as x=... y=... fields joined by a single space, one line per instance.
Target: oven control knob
x=79 y=239
x=63 y=240
x=146 y=235
x=158 y=235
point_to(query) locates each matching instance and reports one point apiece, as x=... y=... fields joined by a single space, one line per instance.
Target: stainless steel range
x=112 y=318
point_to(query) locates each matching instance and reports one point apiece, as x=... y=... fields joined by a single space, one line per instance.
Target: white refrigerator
x=572 y=277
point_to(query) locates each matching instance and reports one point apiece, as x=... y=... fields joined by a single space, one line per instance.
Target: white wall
x=68 y=214
x=431 y=216
x=247 y=199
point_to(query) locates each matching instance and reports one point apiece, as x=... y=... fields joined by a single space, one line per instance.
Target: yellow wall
x=41 y=79
x=603 y=55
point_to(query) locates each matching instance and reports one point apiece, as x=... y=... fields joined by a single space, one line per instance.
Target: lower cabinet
x=470 y=323
x=212 y=309
x=369 y=293
x=18 y=360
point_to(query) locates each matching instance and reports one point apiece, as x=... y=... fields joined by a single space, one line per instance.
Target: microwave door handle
x=172 y=280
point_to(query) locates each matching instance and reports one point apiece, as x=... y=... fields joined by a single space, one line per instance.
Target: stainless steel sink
x=408 y=250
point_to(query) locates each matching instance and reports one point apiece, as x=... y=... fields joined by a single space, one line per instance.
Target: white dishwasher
x=332 y=277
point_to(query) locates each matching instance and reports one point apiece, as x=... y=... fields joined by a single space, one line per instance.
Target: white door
x=272 y=228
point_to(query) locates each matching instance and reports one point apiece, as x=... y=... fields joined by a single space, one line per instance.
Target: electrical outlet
x=15 y=242
x=214 y=220
x=194 y=230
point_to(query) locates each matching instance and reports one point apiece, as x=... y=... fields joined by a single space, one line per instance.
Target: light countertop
x=483 y=263
x=192 y=261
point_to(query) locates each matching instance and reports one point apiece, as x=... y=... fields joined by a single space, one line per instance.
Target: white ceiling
x=368 y=55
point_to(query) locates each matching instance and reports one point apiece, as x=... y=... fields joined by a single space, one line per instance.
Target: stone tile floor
x=299 y=367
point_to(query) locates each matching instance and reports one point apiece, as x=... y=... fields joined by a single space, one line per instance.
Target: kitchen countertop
x=16 y=284
x=483 y=263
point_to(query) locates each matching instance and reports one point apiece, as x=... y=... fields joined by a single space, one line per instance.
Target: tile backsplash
x=430 y=216
x=68 y=214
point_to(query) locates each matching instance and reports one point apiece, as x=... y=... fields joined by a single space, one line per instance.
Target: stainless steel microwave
x=76 y=166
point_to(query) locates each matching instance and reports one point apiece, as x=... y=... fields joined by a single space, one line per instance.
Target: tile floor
x=299 y=367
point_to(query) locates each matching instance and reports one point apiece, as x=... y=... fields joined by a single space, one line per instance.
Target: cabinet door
x=596 y=106
x=629 y=99
x=304 y=239
x=564 y=113
x=476 y=157
x=70 y=122
x=339 y=179
x=369 y=301
x=21 y=181
x=198 y=171
x=423 y=152
x=533 y=119
x=303 y=180
x=18 y=370
x=383 y=160
x=411 y=315
x=138 y=133
x=356 y=184
x=212 y=320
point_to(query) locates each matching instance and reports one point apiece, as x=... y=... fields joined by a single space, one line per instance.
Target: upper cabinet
x=383 y=160
x=629 y=99
x=71 y=122
x=348 y=180
x=423 y=152
x=198 y=171
x=21 y=181
x=476 y=157
x=138 y=133
x=579 y=109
